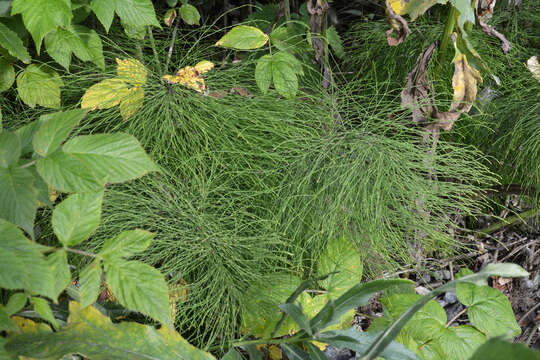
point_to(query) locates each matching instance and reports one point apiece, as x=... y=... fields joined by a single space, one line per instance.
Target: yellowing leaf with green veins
x=414 y=8
x=29 y=326
x=131 y=71
x=105 y=94
x=190 y=76
x=204 y=66
x=132 y=102
x=243 y=37
x=87 y=327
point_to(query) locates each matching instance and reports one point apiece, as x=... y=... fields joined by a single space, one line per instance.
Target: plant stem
x=456 y=317
x=171 y=47
x=448 y=29
x=153 y=45
x=28 y=164
x=510 y=221
x=294 y=339
x=81 y=252
x=287 y=7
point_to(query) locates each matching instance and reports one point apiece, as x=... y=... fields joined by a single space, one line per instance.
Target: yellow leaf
x=204 y=66
x=28 y=326
x=132 y=102
x=189 y=77
x=131 y=71
x=274 y=352
x=399 y=6
x=105 y=94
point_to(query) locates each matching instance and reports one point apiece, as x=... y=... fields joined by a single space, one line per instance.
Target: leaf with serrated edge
x=62 y=276
x=137 y=13
x=131 y=71
x=16 y=303
x=104 y=10
x=126 y=244
x=263 y=73
x=10 y=149
x=243 y=37
x=52 y=133
x=94 y=336
x=93 y=46
x=13 y=44
x=39 y=85
x=284 y=76
x=105 y=94
x=139 y=287
x=5 y=321
x=7 y=75
x=90 y=282
x=41 y=306
x=18 y=198
x=132 y=102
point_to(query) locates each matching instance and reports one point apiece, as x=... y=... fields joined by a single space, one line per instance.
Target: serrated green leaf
x=243 y=37
x=59 y=266
x=126 y=244
x=13 y=44
x=65 y=172
x=488 y=309
x=10 y=149
x=465 y=12
x=348 y=268
x=94 y=336
x=78 y=40
x=139 y=287
x=22 y=266
x=40 y=85
x=104 y=10
x=290 y=39
x=26 y=133
x=460 y=342
x=90 y=282
x=93 y=48
x=55 y=130
x=189 y=14
x=232 y=355
x=58 y=14
x=59 y=45
x=137 y=13
x=263 y=73
x=335 y=41
x=16 y=303
x=284 y=77
x=5 y=321
x=41 y=306
x=7 y=75
x=18 y=200
x=498 y=349
x=77 y=217
x=290 y=59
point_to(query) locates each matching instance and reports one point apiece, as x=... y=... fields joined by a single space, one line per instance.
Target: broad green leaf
x=137 y=13
x=126 y=244
x=22 y=266
x=290 y=59
x=5 y=321
x=104 y=10
x=93 y=46
x=7 y=75
x=314 y=352
x=284 y=76
x=10 y=149
x=172 y=3
x=26 y=133
x=465 y=12
x=16 y=303
x=360 y=341
x=263 y=73
x=55 y=130
x=90 y=282
x=232 y=355
x=298 y=316
x=13 y=44
x=504 y=270
x=335 y=41
x=77 y=217
x=139 y=287
x=460 y=342
x=40 y=85
x=105 y=94
x=189 y=14
x=135 y=32
x=43 y=192
x=41 y=306
x=290 y=39
x=348 y=268
x=62 y=276
x=293 y=352
x=67 y=173
x=18 y=201
x=488 y=309
x=116 y=157
x=94 y=336
x=58 y=13
x=243 y=37
x=498 y=349
x=5 y=7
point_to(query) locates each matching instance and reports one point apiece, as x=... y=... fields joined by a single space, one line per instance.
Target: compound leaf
x=55 y=130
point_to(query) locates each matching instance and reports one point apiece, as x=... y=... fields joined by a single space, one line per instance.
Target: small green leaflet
x=7 y=75
x=282 y=68
x=189 y=14
x=18 y=198
x=243 y=37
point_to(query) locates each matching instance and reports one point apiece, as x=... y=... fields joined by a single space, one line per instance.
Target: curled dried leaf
x=397 y=23
x=483 y=12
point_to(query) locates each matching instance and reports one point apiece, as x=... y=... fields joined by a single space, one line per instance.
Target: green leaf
x=67 y=173
x=78 y=40
x=13 y=44
x=18 y=200
x=296 y=313
x=290 y=59
x=504 y=270
x=172 y=3
x=94 y=336
x=335 y=42
x=253 y=352
x=126 y=244
x=26 y=133
x=460 y=342
x=465 y=12
x=41 y=306
x=498 y=349
x=348 y=267
x=189 y=14
x=284 y=76
x=38 y=84
x=58 y=14
x=5 y=7
x=10 y=149
x=263 y=73
x=59 y=44
x=243 y=37
x=232 y=355
x=116 y=157
x=7 y=75
x=62 y=276
x=104 y=10
x=488 y=309
x=360 y=341
x=139 y=287
x=314 y=352
x=77 y=217
x=137 y=13
x=290 y=39
x=90 y=282
x=55 y=130
x=93 y=48
x=22 y=266
x=293 y=352
x=16 y=303
x=5 y=321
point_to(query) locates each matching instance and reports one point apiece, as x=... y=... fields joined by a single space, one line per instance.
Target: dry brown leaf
x=396 y=23
x=241 y=91
x=218 y=94
x=484 y=11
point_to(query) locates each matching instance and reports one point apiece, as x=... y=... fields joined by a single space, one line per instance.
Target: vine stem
x=445 y=40
x=28 y=164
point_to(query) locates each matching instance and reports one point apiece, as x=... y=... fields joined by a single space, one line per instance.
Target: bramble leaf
x=18 y=199
x=132 y=102
x=104 y=10
x=41 y=306
x=189 y=14
x=105 y=94
x=131 y=71
x=55 y=130
x=13 y=44
x=126 y=244
x=59 y=266
x=90 y=282
x=16 y=303
x=40 y=85
x=263 y=73
x=7 y=75
x=137 y=13
x=10 y=148
x=243 y=37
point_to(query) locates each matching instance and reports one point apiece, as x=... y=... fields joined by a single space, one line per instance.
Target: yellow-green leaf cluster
x=190 y=76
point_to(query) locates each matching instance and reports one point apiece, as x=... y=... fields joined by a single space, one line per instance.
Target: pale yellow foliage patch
x=190 y=76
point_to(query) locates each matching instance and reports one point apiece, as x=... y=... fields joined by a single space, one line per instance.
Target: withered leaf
x=396 y=23
x=483 y=12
